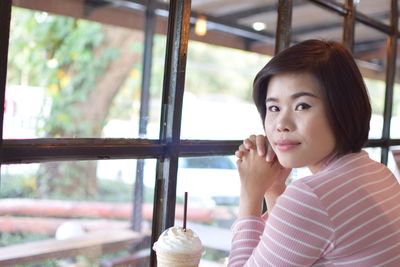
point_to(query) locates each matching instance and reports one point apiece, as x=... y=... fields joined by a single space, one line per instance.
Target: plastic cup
x=178 y=248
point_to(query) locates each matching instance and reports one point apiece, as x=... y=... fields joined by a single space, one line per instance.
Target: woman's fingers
x=248 y=143
x=243 y=148
x=239 y=154
x=270 y=153
x=261 y=143
x=238 y=162
x=258 y=142
x=264 y=148
x=241 y=151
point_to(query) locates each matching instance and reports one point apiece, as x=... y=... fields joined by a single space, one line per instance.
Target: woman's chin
x=290 y=164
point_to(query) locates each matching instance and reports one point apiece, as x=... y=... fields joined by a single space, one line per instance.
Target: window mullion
x=171 y=113
x=349 y=24
x=49 y=149
x=284 y=25
x=5 y=18
x=390 y=77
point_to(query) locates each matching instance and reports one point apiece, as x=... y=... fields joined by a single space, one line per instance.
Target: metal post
x=150 y=20
x=390 y=77
x=171 y=113
x=5 y=18
x=284 y=25
x=349 y=24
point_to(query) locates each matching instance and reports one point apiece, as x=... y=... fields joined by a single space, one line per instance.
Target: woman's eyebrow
x=294 y=96
x=271 y=99
x=300 y=94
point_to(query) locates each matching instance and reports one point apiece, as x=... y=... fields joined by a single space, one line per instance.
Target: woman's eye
x=273 y=108
x=302 y=106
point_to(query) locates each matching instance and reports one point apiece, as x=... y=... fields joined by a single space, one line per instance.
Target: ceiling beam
x=325 y=27
x=257 y=10
x=360 y=17
x=213 y=23
x=250 y=12
x=368 y=46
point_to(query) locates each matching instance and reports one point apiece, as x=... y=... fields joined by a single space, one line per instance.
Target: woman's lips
x=286 y=145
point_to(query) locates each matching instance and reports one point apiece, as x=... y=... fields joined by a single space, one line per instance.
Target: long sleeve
x=297 y=232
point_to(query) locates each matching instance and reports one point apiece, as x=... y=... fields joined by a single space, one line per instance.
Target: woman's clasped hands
x=261 y=175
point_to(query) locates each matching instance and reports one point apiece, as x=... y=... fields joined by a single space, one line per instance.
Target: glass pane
x=213 y=188
x=395 y=122
x=298 y=173
x=374 y=153
x=376 y=90
x=71 y=77
x=82 y=209
x=370 y=54
x=217 y=101
x=323 y=24
x=156 y=86
x=218 y=84
x=394 y=161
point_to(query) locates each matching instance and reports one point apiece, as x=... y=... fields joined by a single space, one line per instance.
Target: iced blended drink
x=178 y=248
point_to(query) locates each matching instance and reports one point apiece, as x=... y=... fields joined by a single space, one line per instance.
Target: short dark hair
x=342 y=88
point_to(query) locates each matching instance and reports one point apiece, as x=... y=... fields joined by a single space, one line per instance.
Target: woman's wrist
x=274 y=192
x=250 y=205
x=270 y=199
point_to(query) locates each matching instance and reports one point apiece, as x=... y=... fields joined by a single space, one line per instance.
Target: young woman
x=316 y=111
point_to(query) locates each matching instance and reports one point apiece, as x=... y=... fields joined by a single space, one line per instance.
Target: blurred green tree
x=82 y=65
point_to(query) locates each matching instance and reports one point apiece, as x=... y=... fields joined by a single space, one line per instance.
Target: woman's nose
x=283 y=128
x=284 y=123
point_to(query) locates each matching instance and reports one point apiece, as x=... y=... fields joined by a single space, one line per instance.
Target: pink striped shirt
x=348 y=214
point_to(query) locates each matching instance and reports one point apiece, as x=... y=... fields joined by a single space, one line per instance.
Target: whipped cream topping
x=175 y=239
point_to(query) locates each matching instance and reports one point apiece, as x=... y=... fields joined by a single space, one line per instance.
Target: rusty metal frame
x=349 y=25
x=284 y=25
x=171 y=115
x=5 y=18
x=390 y=78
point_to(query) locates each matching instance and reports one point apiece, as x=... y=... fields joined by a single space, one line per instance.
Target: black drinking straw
x=185 y=211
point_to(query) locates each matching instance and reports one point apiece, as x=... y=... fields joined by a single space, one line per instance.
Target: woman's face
x=296 y=123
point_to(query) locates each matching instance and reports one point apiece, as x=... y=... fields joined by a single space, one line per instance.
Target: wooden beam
x=49 y=226
x=75 y=209
x=130 y=260
x=250 y=12
x=91 y=244
x=53 y=149
x=258 y=10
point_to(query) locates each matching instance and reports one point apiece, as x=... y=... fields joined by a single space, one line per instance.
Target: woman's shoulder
x=342 y=167
x=344 y=175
